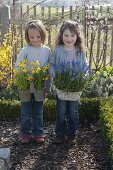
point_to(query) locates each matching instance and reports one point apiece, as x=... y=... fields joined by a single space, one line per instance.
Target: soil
x=89 y=153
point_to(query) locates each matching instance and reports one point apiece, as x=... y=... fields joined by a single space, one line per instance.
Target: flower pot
x=39 y=95
x=32 y=89
x=71 y=96
x=25 y=95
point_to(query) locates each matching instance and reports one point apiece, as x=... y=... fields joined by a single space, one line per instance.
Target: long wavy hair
x=73 y=28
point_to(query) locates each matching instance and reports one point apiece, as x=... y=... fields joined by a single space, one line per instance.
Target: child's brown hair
x=36 y=24
x=74 y=28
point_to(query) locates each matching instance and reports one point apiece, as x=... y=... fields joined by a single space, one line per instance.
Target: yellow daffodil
x=39 y=74
x=25 y=70
x=33 y=71
x=46 y=78
x=22 y=65
x=32 y=64
x=16 y=72
x=30 y=78
x=37 y=62
x=38 y=69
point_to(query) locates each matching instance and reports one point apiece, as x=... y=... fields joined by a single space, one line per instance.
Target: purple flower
x=78 y=76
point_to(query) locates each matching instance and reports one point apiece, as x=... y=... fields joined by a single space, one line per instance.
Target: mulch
x=89 y=153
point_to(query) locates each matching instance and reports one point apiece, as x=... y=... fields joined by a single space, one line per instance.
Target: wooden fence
x=97 y=24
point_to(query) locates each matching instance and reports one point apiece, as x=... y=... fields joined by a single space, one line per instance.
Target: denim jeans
x=67 y=118
x=32 y=117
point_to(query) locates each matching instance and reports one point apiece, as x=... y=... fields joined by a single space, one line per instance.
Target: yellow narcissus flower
x=40 y=75
x=46 y=78
x=22 y=79
x=33 y=71
x=24 y=61
x=46 y=67
x=30 y=78
x=32 y=64
x=37 y=62
x=38 y=69
x=44 y=70
x=1 y=78
x=16 y=72
x=25 y=70
x=21 y=65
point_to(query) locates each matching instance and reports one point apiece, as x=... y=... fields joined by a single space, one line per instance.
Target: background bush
x=88 y=111
x=101 y=84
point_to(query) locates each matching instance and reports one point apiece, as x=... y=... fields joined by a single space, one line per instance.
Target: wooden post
x=91 y=52
x=34 y=12
x=62 y=12
x=105 y=45
x=42 y=12
x=21 y=26
x=98 y=47
x=85 y=22
x=71 y=12
x=111 y=57
x=5 y=20
x=49 y=26
x=28 y=11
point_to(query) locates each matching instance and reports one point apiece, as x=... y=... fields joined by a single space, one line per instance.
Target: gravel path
x=89 y=153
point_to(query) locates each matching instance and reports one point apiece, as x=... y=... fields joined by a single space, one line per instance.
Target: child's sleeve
x=85 y=63
x=22 y=55
x=52 y=63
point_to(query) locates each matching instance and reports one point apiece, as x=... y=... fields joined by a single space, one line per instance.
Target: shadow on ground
x=89 y=153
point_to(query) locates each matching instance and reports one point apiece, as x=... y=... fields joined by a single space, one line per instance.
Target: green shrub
x=106 y=122
x=88 y=111
x=101 y=84
x=50 y=110
x=9 y=109
x=9 y=93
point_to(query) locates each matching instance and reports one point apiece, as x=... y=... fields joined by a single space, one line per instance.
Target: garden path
x=89 y=153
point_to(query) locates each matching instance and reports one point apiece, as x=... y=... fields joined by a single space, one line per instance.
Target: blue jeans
x=67 y=118
x=32 y=117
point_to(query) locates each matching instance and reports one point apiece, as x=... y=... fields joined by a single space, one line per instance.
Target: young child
x=69 y=47
x=35 y=36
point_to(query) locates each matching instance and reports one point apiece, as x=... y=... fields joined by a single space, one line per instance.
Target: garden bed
x=89 y=153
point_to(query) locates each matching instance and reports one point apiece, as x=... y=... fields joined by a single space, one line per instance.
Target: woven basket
x=71 y=96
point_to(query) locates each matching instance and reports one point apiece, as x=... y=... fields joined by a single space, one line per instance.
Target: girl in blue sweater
x=69 y=47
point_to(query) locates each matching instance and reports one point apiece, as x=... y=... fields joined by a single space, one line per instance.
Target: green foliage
x=9 y=109
x=101 y=84
x=22 y=80
x=9 y=93
x=70 y=76
x=50 y=110
x=106 y=122
x=88 y=111
x=39 y=75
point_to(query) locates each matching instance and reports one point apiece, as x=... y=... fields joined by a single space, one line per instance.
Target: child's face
x=34 y=37
x=69 y=38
